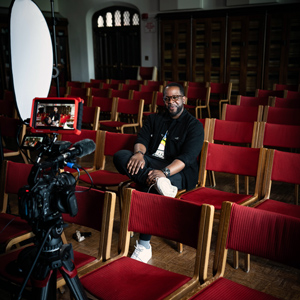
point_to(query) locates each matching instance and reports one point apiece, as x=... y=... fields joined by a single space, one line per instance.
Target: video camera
x=49 y=192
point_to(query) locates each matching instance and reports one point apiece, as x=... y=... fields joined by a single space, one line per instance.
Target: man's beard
x=177 y=111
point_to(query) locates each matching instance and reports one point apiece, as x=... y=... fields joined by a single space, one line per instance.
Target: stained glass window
x=126 y=18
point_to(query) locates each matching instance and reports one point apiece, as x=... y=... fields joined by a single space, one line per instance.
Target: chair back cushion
x=233 y=132
x=118 y=141
x=166 y=217
x=90 y=208
x=232 y=159
x=16 y=176
x=264 y=234
x=280 y=135
x=286 y=167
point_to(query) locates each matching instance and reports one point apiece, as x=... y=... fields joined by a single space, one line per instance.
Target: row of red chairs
x=240 y=228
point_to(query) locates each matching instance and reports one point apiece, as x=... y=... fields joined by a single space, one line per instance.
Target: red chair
x=278 y=135
x=106 y=86
x=117 y=81
x=148 y=98
x=252 y=231
x=123 y=111
x=98 y=81
x=12 y=132
x=147 y=73
x=252 y=101
x=220 y=93
x=242 y=113
x=199 y=96
x=126 y=94
x=146 y=213
x=281 y=167
x=76 y=84
x=135 y=81
x=291 y=95
x=105 y=105
x=267 y=93
x=13 y=229
x=150 y=88
x=278 y=115
x=234 y=133
x=90 y=117
x=130 y=87
x=76 y=92
x=282 y=87
x=111 y=142
x=98 y=92
x=91 y=85
x=284 y=102
x=53 y=91
x=197 y=84
x=95 y=211
x=93 y=135
x=231 y=160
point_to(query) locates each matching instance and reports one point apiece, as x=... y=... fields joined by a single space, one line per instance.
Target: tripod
x=51 y=255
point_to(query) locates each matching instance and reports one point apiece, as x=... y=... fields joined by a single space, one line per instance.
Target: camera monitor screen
x=56 y=115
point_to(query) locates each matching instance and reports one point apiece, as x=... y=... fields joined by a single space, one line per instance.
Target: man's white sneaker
x=141 y=253
x=164 y=187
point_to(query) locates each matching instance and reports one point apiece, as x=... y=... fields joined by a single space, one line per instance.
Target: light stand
x=56 y=76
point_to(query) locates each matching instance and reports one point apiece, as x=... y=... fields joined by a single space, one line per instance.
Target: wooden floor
x=266 y=276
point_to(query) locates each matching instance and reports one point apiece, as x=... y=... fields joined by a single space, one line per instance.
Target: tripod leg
x=45 y=289
x=69 y=274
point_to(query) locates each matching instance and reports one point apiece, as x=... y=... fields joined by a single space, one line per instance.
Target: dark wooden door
x=117 y=43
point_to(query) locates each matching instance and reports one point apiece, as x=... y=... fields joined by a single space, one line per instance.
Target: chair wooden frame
x=132 y=201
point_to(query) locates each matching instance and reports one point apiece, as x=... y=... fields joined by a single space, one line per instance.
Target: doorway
x=117 y=43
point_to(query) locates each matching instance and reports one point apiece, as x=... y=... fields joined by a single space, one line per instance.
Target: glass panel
x=109 y=19
x=135 y=19
x=200 y=45
x=118 y=18
x=100 y=21
x=126 y=18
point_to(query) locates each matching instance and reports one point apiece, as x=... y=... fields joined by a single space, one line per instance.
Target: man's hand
x=136 y=163
x=153 y=174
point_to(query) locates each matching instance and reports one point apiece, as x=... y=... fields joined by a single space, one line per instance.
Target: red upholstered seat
x=148 y=281
x=14 y=227
x=104 y=178
x=226 y=289
x=214 y=197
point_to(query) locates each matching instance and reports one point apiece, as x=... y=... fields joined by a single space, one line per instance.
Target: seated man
x=165 y=154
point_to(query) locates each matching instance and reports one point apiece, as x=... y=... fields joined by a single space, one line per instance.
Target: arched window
x=116 y=18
